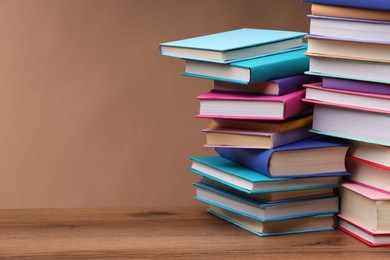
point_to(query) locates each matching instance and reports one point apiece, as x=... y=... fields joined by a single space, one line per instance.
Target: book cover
x=356 y=85
x=275 y=87
x=366 y=192
x=257 y=107
x=241 y=178
x=265 y=211
x=315 y=93
x=260 y=159
x=232 y=45
x=371 y=4
x=254 y=70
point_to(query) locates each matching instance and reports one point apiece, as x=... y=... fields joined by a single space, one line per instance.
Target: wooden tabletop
x=162 y=233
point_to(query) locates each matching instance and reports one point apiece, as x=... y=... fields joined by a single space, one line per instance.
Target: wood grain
x=162 y=233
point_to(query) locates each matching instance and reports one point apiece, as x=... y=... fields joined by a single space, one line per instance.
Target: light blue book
x=233 y=45
x=265 y=211
x=279 y=65
x=231 y=174
x=320 y=222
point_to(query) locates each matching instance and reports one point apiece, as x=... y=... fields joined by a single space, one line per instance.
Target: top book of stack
x=235 y=45
x=369 y=4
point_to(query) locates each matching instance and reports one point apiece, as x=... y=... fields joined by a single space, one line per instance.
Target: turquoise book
x=230 y=174
x=265 y=211
x=234 y=45
x=250 y=71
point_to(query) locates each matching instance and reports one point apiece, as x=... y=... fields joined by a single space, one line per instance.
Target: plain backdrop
x=91 y=115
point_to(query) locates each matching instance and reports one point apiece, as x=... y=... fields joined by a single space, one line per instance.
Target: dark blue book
x=319 y=156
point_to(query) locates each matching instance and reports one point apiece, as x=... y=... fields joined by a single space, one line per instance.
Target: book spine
x=294 y=83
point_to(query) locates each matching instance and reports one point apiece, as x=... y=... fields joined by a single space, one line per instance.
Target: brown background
x=91 y=114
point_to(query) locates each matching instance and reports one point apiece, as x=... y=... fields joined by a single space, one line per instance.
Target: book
x=372 y=4
x=366 y=207
x=274 y=126
x=277 y=196
x=238 y=177
x=370 y=175
x=378 y=155
x=228 y=46
x=259 y=107
x=352 y=124
x=350 y=28
x=278 y=227
x=317 y=156
x=315 y=93
x=265 y=211
x=275 y=87
x=345 y=49
x=254 y=70
x=356 y=85
x=220 y=137
x=365 y=235
x=350 y=69
x=349 y=12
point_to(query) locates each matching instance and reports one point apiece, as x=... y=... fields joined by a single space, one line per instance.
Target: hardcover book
x=233 y=45
x=265 y=211
x=356 y=85
x=254 y=70
x=275 y=87
x=278 y=227
x=378 y=155
x=352 y=124
x=316 y=156
x=238 y=177
x=366 y=207
x=259 y=107
x=349 y=12
x=371 y=4
x=315 y=93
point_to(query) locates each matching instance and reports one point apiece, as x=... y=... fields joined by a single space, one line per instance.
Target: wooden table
x=185 y=233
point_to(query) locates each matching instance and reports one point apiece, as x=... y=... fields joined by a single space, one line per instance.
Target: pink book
x=378 y=103
x=366 y=192
x=256 y=107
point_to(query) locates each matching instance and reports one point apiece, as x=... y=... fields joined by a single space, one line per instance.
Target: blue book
x=318 y=156
x=265 y=211
x=320 y=222
x=230 y=174
x=365 y=4
x=233 y=45
x=279 y=65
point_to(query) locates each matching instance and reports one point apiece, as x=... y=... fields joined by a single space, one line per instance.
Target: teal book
x=265 y=211
x=279 y=65
x=230 y=174
x=225 y=47
x=320 y=222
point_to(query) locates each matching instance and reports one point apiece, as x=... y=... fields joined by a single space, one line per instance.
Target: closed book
x=275 y=87
x=238 y=177
x=349 y=12
x=224 y=47
x=259 y=107
x=352 y=124
x=370 y=175
x=279 y=65
x=316 y=156
x=222 y=137
x=365 y=235
x=371 y=4
x=366 y=207
x=350 y=69
x=332 y=47
x=374 y=154
x=356 y=85
x=265 y=211
x=277 y=227
x=350 y=28
x=315 y=93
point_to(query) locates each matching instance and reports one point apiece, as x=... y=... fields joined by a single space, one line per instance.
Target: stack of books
x=271 y=175
x=349 y=46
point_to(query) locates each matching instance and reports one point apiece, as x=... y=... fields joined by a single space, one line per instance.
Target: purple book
x=356 y=85
x=275 y=87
